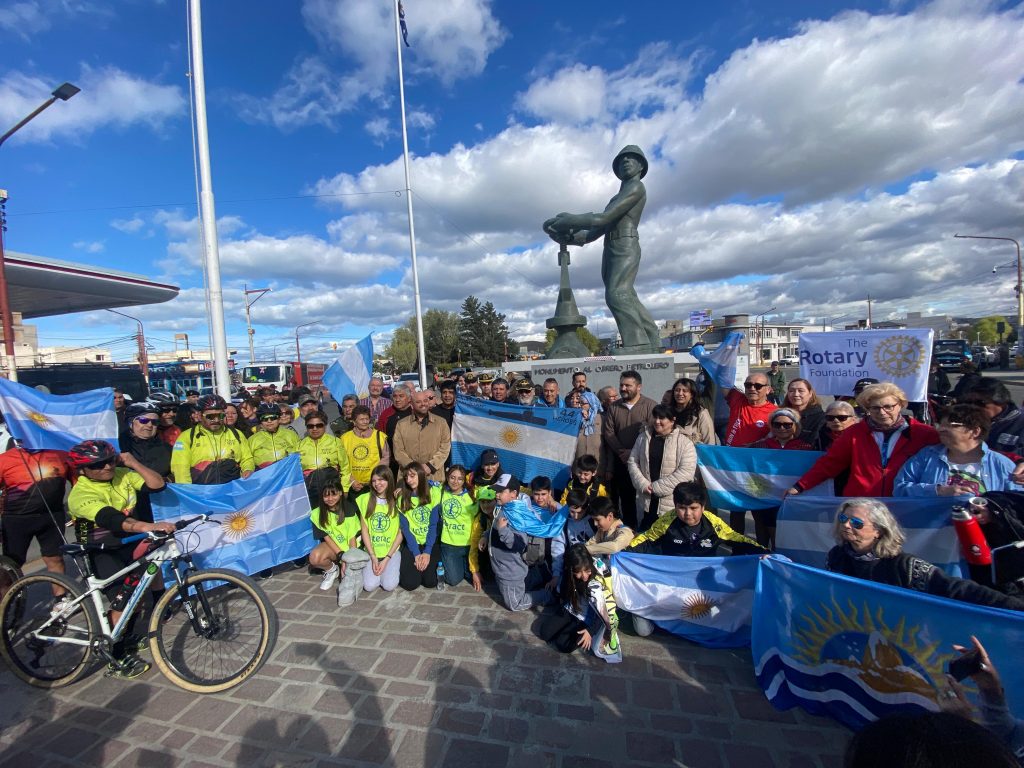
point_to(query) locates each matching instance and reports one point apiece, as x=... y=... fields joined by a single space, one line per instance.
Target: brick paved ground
x=423 y=679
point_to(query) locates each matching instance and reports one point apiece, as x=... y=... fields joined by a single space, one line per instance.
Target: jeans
x=456 y=563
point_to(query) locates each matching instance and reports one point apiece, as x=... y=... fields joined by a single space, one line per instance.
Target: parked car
x=790 y=360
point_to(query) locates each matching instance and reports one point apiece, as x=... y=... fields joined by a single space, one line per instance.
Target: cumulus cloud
x=27 y=18
x=89 y=246
x=128 y=226
x=355 y=64
x=110 y=97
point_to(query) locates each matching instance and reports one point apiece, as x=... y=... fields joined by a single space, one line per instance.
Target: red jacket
x=857 y=451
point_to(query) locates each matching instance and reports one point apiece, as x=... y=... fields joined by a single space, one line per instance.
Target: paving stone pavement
x=423 y=679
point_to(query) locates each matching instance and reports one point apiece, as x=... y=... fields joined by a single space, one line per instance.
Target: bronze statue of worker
x=620 y=262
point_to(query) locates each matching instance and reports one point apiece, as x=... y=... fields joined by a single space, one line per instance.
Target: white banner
x=833 y=362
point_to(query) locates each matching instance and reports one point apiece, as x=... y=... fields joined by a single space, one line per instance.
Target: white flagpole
x=215 y=297
x=420 y=346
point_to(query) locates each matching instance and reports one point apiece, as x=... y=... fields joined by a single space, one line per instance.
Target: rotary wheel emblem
x=899 y=356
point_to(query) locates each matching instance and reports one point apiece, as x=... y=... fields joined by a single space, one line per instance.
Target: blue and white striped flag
x=856 y=651
x=708 y=600
x=401 y=23
x=57 y=422
x=753 y=478
x=721 y=362
x=262 y=520
x=532 y=520
x=351 y=372
x=804 y=532
x=530 y=440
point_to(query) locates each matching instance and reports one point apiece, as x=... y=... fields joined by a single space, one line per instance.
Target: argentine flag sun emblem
x=238 y=525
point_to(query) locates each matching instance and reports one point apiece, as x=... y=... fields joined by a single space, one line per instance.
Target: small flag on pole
x=401 y=23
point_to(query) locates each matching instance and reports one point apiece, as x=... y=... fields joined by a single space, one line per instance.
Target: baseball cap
x=490 y=456
x=305 y=399
x=506 y=482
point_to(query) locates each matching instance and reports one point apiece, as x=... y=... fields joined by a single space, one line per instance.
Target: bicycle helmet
x=133 y=411
x=91 y=452
x=268 y=409
x=211 y=403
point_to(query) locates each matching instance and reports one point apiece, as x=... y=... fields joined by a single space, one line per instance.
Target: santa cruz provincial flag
x=753 y=478
x=351 y=372
x=530 y=440
x=857 y=651
x=261 y=521
x=705 y=599
x=57 y=422
x=805 y=529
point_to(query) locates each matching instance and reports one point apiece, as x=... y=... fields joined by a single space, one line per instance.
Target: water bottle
x=440 y=576
x=972 y=540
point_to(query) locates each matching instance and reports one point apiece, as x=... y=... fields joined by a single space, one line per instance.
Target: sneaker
x=329 y=578
x=265 y=574
x=300 y=563
x=136 y=644
x=128 y=668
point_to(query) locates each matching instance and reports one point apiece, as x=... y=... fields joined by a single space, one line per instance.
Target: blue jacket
x=929 y=467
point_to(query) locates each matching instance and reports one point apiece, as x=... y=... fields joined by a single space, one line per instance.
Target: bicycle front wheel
x=43 y=648
x=9 y=573
x=232 y=633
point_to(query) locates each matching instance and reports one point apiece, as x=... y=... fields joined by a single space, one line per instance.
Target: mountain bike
x=209 y=631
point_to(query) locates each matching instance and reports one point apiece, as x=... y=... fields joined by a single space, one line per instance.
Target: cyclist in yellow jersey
x=380 y=530
x=271 y=443
x=322 y=457
x=211 y=453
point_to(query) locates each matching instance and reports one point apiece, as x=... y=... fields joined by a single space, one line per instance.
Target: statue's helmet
x=635 y=151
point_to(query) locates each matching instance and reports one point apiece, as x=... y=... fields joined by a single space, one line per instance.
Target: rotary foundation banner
x=833 y=362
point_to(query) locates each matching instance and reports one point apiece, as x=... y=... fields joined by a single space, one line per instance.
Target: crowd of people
x=390 y=510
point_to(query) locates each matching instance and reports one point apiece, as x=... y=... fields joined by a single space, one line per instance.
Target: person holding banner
x=874 y=450
x=962 y=465
x=521 y=585
x=749 y=414
x=869 y=546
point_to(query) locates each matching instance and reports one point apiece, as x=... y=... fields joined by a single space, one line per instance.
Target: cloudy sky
x=801 y=158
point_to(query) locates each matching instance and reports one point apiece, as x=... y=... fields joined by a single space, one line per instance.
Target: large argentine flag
x=530 y=440
x=261 y=521
x=708 y=600
x=721 y=362
x=804 y=532
x=351 y=372
x=857 y=651
x=57 y=422
x=753 y=478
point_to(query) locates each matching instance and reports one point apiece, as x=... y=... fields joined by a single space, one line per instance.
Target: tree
x=985 y=330
x=440 y=337
x=493 y=334
x=469 y=329
x=402 y=347
x=590 y=341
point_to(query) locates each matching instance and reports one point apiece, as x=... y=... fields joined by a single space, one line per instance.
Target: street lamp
x=248 y=320
x=62 y=92
x=298 y=352
x=140 y=337
x=1020 y=296
x=760 y=333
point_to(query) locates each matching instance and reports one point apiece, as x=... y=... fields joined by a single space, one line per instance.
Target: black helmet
x=211 y=403
x=267 y=409
x=91 y=452
x=133 y=411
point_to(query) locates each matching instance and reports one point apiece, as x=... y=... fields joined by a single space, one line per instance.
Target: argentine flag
x=856 y=651
x=738 y=479
x=57 y=422
x=721 y=362
x=804 y=532
x=259 y=521
x=350 y=374
x=530 y=440
x=708 y=600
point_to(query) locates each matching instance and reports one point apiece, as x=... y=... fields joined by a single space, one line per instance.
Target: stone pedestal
x=567 y=317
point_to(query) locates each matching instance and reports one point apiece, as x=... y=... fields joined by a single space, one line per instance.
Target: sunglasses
x=783 y=424
x=269 y=418
x=754 y=385
x=321 y=425
x=213 y=416
x=146 y=420
x=101 y=464
x=856 y=522
x=839 y=418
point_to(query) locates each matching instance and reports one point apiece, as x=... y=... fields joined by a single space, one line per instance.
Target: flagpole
x=211 y=254
x=420 y=347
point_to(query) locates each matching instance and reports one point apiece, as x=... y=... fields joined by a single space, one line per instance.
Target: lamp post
x=1019 y=360
x=63 y=93
x=140 y=337
x=248 y=320
x=760 y=332
x=298 y=352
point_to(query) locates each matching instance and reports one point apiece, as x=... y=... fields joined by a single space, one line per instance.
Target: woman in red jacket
x=873 y=450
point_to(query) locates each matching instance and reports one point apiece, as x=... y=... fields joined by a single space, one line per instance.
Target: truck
x=284 y=375
x=949 y=353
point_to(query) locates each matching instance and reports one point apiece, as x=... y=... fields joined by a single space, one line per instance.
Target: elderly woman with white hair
x=874 y=450
x=869 y=546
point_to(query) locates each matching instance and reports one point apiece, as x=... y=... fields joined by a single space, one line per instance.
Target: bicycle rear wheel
x=45 y=653
x=237 y=631
x=9 y=573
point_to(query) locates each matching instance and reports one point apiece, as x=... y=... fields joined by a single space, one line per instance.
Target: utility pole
x=869 y=311
x=298 y=351
x=1020 y=291
x=248 y=319
x=140 y=337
